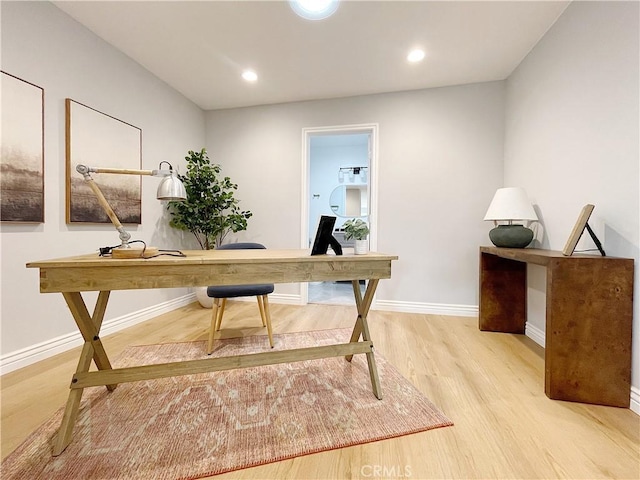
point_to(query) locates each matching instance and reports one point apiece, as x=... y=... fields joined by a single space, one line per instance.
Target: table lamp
x=509 y=205
x=170 y=188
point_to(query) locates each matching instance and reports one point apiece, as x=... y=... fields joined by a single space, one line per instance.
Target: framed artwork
x=99 y=140
x=22 y=151
x=578 y=229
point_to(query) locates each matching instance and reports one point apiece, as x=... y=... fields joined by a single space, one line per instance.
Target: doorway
x=340 y=179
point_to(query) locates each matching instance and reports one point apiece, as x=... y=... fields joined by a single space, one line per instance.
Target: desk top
x=206 y=267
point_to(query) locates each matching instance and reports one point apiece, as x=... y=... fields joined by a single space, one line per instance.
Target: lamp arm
x=120 y=171
x=85 y=171
x=124 y=235
x=169 y=190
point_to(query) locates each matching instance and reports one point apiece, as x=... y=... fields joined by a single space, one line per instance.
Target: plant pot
x=201 y=294
x=361 y=247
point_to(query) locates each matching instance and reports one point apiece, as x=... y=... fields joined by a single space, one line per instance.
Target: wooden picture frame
x=99 y=140
x=578 y=229
x=22 y=151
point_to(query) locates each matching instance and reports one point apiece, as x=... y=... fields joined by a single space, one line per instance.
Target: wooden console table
x=73 y=275
x=589 y=313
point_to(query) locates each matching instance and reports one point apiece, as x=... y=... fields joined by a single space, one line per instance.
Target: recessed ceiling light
x=314 y=9
x=250 y=75
x=415 y=55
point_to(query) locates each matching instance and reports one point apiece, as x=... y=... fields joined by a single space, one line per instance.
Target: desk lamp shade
x=171 y=188
x=510 y=205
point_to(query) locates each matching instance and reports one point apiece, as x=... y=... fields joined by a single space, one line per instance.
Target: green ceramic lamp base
x=511 y=236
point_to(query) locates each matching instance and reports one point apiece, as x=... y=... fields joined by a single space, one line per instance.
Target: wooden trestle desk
x=589 y=313
x=73 y=275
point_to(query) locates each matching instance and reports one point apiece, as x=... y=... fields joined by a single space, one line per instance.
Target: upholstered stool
x=222 y=292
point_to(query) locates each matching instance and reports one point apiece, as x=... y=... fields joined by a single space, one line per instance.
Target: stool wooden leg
x=261 y=307
x=222 y=305
x=214 y=324
x=267 y=316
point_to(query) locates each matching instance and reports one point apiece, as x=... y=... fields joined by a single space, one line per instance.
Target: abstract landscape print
x=99 y=140
x=22 y=151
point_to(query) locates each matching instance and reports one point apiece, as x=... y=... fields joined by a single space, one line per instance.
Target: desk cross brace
x=89 y=326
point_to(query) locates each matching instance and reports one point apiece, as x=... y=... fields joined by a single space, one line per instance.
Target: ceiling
x=200 y=48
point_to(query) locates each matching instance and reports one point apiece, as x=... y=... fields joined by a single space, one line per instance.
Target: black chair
x=222 y=292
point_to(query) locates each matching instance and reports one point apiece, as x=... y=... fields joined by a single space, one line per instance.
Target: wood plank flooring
x=490 y=384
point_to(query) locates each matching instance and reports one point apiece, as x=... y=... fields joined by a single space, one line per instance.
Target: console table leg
x=503 y=294
x=588 y=331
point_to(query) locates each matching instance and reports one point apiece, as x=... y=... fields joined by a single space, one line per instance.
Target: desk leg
x=73 y=405
x=362 y=328
x=93 y=349
x=90 y=328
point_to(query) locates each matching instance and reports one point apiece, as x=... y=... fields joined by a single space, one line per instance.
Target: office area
x=563 y=125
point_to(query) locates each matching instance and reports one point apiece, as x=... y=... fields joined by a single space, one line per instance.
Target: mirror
x=350 y=201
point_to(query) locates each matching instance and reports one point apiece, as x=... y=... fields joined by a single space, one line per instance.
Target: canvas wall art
x=99 y=140
x=22 y=151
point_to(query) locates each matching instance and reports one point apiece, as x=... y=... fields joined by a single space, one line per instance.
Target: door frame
x=307 y=133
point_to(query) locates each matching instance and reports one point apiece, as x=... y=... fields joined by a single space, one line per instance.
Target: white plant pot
x=201 y=294
x=361 y=247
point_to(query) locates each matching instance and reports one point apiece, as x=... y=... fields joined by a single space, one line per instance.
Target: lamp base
x=511 y=236
x=134 y=252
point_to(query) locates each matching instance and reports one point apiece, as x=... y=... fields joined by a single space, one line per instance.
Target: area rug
x=200 y=425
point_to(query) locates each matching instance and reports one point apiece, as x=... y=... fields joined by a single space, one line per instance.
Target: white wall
x=44 y=46
x=440 y=162
x=572 y=136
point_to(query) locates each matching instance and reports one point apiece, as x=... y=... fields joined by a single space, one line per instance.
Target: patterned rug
x=200 y=425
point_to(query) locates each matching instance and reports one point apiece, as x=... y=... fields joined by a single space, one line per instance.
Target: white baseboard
x=391 y=306
x=535 y=334
x=283 y=298
x=635 y=400
x=426 y=308
x=21 y=358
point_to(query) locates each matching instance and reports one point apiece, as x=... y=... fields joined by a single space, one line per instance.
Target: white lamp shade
x=511 y=203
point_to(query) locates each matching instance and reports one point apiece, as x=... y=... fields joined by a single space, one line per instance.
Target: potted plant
x=358 y=230
x=211 y=210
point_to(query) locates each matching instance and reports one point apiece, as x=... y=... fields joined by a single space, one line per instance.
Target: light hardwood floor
x=489 y=384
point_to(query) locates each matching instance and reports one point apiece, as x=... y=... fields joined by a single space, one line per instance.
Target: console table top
x=539 y=256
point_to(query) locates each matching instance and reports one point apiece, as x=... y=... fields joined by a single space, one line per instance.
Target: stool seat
x=220 y=293
x=234 y=291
